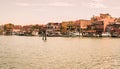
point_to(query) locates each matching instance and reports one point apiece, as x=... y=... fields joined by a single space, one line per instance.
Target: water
x=20 y=52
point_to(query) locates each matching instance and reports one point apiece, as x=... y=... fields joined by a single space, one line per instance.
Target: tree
x=8 y=28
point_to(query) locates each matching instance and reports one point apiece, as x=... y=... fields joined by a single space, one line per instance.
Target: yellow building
x=67 y=26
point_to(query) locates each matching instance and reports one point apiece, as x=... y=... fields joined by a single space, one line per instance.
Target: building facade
x=53 y=29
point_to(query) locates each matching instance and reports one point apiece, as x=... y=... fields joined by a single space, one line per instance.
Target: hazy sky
x=44 y=11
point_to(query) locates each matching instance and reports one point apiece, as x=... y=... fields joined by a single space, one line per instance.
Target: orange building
x=83 y=23
x=106 y=18
x=73 y=26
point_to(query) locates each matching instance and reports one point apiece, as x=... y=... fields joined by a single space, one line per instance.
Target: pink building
x=106 y=18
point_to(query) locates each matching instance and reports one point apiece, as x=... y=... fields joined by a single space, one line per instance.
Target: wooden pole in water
x=79 y=29
x=44 y=36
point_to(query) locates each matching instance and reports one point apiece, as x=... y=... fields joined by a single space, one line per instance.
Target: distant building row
x=97 y=25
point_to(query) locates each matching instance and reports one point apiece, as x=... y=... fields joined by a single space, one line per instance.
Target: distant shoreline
x=68 y=36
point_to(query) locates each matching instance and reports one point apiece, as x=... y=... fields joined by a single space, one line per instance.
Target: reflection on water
x=59 y=53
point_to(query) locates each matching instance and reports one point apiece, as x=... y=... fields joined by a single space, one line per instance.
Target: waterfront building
x=17 y=29
x=26 y=30
x=35 y=30
x=53 y=29
x=1 y=29
x=68 y=27
x=8 y=28
x=82 y=23
x=114 y=29
x=118 y=20
x=106 y=18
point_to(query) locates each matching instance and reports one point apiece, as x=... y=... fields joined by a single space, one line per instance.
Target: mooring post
x=44 y=36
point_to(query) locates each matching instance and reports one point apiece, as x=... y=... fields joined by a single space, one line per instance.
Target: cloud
x=62 y=4
x=97 y=0
x=115 y=8
x=54 y=4
x=23 y=4
x=96 y=5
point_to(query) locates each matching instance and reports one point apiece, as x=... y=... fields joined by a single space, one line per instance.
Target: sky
x=25 y=12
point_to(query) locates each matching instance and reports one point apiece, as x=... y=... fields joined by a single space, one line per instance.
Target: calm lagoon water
x=20 y=52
